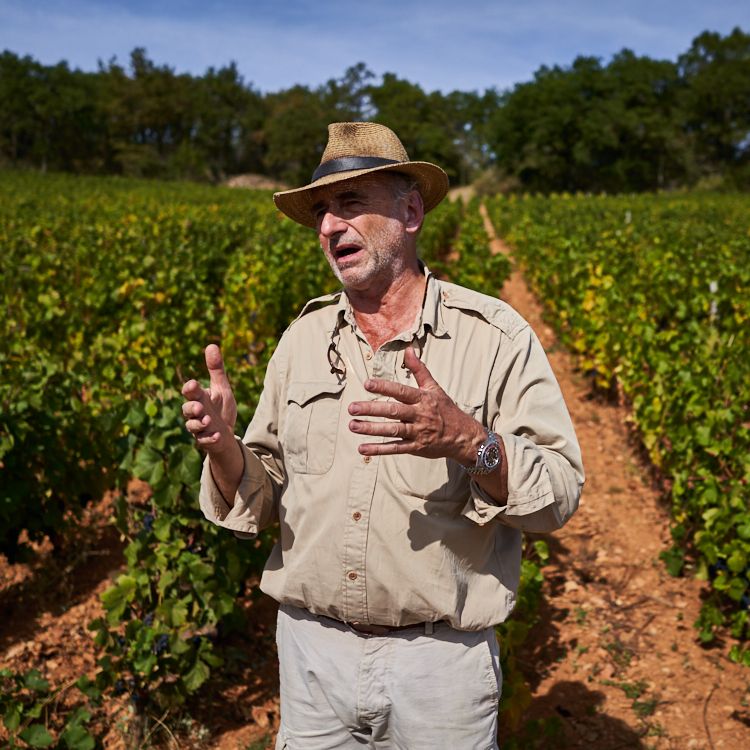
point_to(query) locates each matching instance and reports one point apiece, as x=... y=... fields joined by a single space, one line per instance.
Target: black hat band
x=349 y=164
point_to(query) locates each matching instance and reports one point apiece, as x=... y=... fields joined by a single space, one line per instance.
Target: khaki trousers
x=407 y=690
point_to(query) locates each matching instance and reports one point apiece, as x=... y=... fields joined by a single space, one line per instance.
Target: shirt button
x=356 y=516
x=366 y=459
x=352 y=576
x=368 y=355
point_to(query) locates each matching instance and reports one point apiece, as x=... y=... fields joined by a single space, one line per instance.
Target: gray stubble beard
x=386 y=253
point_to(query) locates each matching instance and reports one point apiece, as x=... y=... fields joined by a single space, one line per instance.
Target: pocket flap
x=303 y=393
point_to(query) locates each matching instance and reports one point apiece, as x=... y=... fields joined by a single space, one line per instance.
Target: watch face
x=491 y=456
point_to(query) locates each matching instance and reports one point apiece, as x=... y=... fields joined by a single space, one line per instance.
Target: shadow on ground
x=581 y=722
x=574 y=706
x=56 y=580
x=243 y=695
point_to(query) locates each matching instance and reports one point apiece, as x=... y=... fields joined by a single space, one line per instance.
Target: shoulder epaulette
x=496 y=312
x=318 y=302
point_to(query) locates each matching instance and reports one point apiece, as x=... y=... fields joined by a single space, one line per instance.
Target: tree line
x=633 y=123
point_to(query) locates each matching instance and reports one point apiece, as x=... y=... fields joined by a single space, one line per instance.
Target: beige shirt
x=400 y=539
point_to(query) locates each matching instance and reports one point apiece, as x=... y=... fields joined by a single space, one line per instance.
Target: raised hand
x=423 y=421
x=210 y=413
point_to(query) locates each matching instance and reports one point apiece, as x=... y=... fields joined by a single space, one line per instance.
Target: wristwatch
x=488 y=456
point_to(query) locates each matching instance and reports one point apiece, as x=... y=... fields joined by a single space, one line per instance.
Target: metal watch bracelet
x=489 y=456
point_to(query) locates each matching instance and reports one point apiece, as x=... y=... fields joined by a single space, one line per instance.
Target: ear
x=414 y=209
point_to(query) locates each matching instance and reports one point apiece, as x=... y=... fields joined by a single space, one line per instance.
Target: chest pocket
x=433 y=478
x=311 y=426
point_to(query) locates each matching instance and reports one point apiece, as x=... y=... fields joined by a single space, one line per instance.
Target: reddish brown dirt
x=614 y=657
x=47 y=605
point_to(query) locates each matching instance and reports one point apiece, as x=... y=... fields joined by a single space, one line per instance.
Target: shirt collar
x=432 y=314
x=431 y=317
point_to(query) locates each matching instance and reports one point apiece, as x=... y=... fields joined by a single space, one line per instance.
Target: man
x=408 y=430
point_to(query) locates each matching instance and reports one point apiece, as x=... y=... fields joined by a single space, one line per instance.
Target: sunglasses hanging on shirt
x=335 y=360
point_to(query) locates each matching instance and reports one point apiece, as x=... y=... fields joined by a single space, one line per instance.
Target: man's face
x=363 y=230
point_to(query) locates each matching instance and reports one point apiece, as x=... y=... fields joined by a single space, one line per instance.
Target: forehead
x=370 y=186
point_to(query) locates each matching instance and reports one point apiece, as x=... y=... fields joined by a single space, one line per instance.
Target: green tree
x=546 y=132
x=17 y=121
x=348 y=98
x=421 y=120
x=594 y=127
x=716 y=74
x=469 y=116
x=295 y=133
x=228 y=116
x=654 y=152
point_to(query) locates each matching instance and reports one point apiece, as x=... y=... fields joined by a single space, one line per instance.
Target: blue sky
x=469 y=45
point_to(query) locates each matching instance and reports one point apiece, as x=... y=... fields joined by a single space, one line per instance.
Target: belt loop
x=429 y=628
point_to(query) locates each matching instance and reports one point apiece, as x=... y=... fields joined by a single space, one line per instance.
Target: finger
x=193 y=391
x=192 y=409
x=387 y=449
x=382 y=429
x=208 y=439
x=387 y=409
x=215 y=365
x=418 y=368
x=403 y=393
x=197 y=426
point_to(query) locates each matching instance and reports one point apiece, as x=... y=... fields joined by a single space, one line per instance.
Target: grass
x=620 y=654
x=645 y=708
x=635 y=690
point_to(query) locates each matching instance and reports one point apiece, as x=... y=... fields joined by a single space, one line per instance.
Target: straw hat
x=355 y=149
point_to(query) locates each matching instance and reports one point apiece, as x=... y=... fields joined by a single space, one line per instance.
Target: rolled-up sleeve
x=545 y=470
x=255 y=504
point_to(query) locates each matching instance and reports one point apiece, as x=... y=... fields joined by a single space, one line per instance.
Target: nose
x=331 y=224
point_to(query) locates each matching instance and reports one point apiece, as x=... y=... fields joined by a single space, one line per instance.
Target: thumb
x=419 y=369
x=215 y=365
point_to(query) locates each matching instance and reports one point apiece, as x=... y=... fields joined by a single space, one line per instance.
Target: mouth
x=345 y=251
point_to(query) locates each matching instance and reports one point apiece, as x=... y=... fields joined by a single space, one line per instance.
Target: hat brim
x=431 y=180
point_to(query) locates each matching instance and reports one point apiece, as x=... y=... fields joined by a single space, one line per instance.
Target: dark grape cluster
x=162 y=642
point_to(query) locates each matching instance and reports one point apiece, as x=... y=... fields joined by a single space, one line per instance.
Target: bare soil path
x=615 y=656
